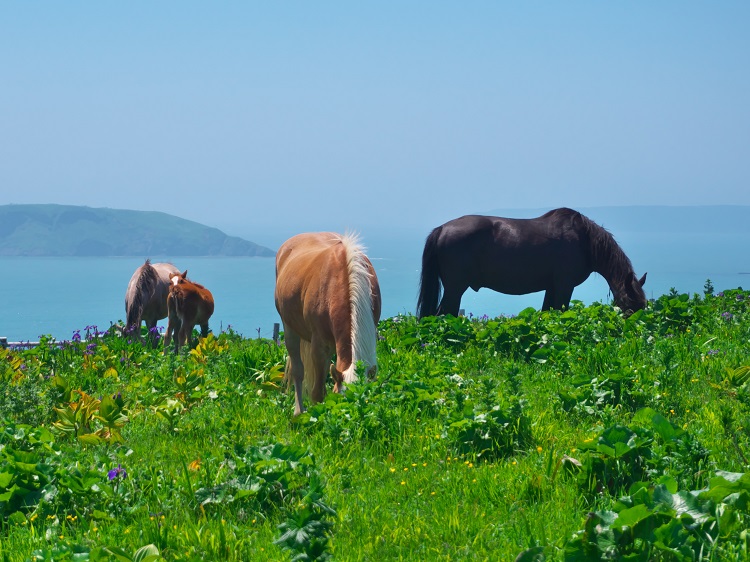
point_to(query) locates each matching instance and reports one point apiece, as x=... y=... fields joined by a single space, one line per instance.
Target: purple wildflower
x=76 y=336
x=90 y=349
x=118 y=472
x=726 y=315
x=713 y=352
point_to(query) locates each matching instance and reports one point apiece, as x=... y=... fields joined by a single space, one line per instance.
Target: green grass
x=573 y=435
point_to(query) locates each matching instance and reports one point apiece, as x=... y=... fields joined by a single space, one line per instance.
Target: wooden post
x=4 y=342
x=276 y=332
x=461 y=311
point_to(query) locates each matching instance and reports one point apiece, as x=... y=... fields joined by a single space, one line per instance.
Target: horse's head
x=178 y=278
x=631 y=297
x=338 y=377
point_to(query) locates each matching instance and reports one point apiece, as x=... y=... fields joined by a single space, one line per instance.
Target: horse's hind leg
x=319 y=358
x=295 y=370
x=451 y=301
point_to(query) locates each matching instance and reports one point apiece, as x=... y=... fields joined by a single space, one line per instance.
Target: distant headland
x=69 y=230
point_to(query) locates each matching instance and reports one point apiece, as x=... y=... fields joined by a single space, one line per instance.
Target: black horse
x=553 y=253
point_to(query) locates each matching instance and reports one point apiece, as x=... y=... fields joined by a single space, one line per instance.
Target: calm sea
x=56 y=296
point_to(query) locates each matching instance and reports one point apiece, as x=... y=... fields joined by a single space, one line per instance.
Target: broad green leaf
x=5 y=479
x=632 y=516
x=146 y=553
x=118 y=553
x=17 y=518
x=91 y=439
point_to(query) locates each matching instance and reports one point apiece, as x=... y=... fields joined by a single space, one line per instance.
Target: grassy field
x=574 y=435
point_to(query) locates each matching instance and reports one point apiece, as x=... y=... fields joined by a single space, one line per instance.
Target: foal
x=188 y=304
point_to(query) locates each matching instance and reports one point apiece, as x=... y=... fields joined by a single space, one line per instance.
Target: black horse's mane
x=607 y=257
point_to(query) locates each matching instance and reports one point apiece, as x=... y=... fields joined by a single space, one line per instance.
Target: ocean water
x=56 y=296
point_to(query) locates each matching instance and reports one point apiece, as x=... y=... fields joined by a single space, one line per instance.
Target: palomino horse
x=553 y=253
x=328 y=297
x=146 y=296
x=188 y=304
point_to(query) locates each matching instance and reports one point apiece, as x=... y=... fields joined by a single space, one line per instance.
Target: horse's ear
x=642 y=280
x=184 y=274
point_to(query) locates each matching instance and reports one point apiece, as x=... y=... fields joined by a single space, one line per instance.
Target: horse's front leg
x=557 y=298
x=186 y=333
x=562 y=298
x=171 y=330
x=548 y=299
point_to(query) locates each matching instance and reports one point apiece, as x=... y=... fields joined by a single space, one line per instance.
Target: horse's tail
x=429 y=281
x=363 y=323
x=139 y=295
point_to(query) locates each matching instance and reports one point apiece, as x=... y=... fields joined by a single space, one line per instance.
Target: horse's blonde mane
x=364 y=331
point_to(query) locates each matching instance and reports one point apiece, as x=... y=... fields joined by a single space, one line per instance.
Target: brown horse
x=328 y=297
x=188 y=304
x=146 y=297
x=553 y=253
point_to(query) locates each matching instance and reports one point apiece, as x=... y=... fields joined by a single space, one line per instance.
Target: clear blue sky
x=326 y=115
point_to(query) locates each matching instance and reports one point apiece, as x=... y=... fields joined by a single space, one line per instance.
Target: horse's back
x=312 y=283
x=306 y=258
x=309 y=267
x=165 y=270
x=146 y=295
x=196 y=297
x=511 y=255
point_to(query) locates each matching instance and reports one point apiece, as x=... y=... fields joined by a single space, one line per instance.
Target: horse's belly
x=518 y=287
x=305 y=322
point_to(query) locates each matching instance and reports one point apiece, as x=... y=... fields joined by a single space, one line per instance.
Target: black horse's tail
x=429 y=281
x=145 y=287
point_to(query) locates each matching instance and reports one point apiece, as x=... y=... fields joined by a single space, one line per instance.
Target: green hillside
x=65 y=230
